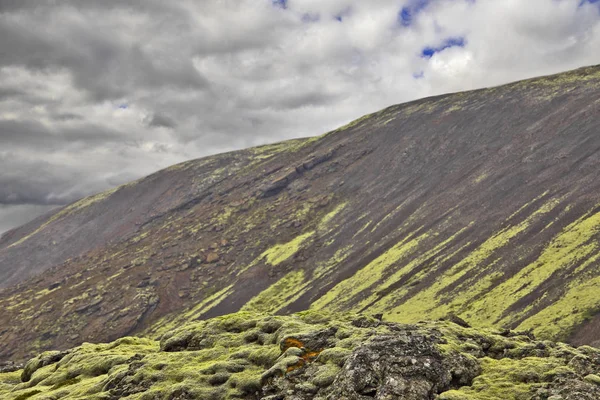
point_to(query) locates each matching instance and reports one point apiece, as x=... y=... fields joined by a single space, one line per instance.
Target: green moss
x=591 y=378
x=325 y=375
x=344 y=291
x=27 y=395
x=429 y=303
x=336 y=356
x=264 y=357
x=558 y=318
x=278 y=295
x=324 y=223
x=281 y=252
x=232 y=356
x=328 y=266
x=386 y=302
x=508 y=379
x=481 y=177
x=390 y=215
x=572 y=246
x=270 y=150
x=224 y=216
x=361 y=230
x=354 y=123
x=172 y=321
x=9 y=380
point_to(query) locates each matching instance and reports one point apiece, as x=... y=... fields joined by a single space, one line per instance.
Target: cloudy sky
x=97 y=93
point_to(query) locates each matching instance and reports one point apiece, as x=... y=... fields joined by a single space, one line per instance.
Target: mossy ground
x=234 y=356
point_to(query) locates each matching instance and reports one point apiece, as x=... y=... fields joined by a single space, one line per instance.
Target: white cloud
x=210 y=76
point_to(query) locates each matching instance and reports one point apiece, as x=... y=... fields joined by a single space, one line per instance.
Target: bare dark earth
x=485 y=204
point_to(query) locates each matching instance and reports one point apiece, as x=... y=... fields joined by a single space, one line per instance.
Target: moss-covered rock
x=313 y=355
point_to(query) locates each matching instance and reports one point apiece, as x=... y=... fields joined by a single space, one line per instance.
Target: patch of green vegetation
x=481 y=177
x=9 y=380
x=224 y=216
x=557 y=320
x=386 y=302
x=454 y=107
x=326 y=267
x=429 y=303
x=270 y=150
x=426 y=106
x=361 y=230
x=509 y=379
x=390 y=215
x=526 y=205
x=343 y=292
x=323 y=224
x=278 y=295
x=387 y=121
x=171 y=321
x=234 y=356
x=303 y=211
x=581 y=75
x=281 y=252
x=572 y=246
x=293 y=285
x=355 y=123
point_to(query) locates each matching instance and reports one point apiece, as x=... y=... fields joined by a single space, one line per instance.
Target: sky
x=94 y=94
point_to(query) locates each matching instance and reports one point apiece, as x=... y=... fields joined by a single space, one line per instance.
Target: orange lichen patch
x=310 y=356
x=306 y=358
x=296 y=366
x=291 y=342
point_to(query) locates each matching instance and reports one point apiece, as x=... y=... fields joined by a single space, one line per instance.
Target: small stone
x=212 y=257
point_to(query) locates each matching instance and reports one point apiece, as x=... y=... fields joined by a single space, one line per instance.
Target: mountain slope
x=484 y=204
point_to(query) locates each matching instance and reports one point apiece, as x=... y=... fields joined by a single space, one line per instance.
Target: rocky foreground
x=313 y=355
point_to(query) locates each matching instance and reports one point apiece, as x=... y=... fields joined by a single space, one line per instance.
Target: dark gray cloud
x=35 y=134
x=67 y=116
x=9 y=93
x=159 y=120
x=39 y=182
x=96 y=93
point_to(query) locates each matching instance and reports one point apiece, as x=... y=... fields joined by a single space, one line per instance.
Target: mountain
x=484 y=205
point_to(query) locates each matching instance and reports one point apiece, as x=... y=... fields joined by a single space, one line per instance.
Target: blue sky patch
x=280 y=3
x=407 y=13
x=428 y=51
x=123 y=106
x=583 y=2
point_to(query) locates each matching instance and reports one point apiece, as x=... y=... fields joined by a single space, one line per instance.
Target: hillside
x=485 y=204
